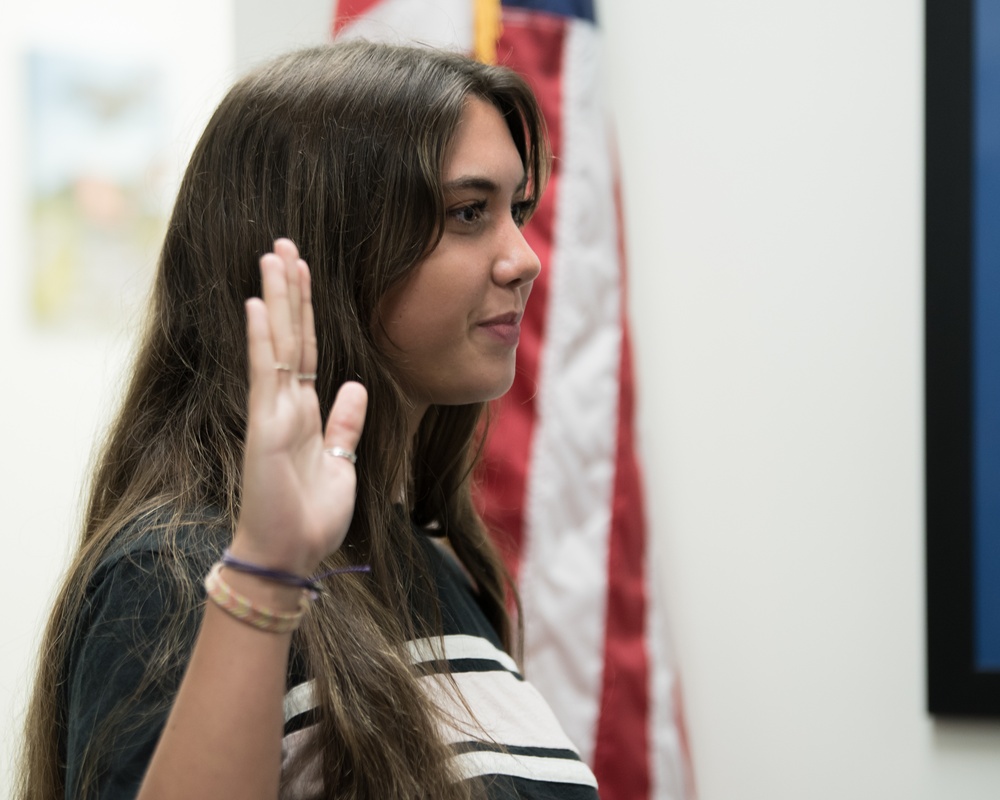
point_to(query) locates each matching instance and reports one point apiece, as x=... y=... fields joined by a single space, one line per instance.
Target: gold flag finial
x=488 y=26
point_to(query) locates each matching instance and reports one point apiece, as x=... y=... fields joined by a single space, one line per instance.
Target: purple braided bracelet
x=311 y=585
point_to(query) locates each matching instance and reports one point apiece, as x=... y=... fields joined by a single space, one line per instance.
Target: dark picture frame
x=958 y=683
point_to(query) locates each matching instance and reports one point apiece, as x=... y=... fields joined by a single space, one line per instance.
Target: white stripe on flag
x=444 y=23
x=564 y=571
x=667 y=758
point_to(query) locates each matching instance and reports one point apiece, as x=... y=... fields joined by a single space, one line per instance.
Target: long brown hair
x=340 y=148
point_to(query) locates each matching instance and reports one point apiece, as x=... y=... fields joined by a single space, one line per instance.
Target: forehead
x=482 y=145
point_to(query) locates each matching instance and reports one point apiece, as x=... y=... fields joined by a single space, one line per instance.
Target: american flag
x=562 y=478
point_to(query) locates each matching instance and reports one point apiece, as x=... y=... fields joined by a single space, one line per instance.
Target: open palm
x=298 y=498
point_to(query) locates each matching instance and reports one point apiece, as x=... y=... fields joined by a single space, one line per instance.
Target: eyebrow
x=480 y=184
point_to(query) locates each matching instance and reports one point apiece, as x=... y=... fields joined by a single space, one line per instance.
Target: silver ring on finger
x=306 y=376
x=340 y=452
x=281 y=366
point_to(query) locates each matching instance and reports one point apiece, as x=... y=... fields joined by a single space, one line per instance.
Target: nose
x=516 y=263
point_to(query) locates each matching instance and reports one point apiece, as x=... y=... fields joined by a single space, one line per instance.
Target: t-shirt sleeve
x=116 y=703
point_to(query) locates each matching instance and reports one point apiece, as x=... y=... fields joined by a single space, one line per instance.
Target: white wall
x=57 y=390
x=772 y=161
x=772 y=154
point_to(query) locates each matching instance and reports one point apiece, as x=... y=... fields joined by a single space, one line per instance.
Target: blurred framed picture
x=962 y=308
x=97 y=166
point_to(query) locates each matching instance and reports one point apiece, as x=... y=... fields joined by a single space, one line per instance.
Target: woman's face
x=453 y=324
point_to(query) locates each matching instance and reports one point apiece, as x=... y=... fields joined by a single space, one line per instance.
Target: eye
x=521 y=212
x=468 y=214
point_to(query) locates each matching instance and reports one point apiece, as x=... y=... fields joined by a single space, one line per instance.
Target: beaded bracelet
x=245 y=610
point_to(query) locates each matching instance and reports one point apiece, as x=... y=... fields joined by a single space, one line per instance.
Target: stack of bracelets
x=261 y=617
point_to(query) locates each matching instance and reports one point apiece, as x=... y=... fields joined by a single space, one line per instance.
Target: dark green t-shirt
x=132 y=610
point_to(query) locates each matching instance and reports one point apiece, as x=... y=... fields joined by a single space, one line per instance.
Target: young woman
x=403 y=177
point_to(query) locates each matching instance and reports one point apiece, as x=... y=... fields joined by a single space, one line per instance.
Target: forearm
x=223 y=735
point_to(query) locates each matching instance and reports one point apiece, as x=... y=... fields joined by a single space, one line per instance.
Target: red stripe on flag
x=621 y=750
x=621 y=753
x=533 y=46
x=349 y=10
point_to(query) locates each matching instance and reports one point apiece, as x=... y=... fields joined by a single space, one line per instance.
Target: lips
x=506 y=328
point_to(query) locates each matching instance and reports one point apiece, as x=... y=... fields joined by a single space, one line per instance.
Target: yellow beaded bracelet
x=245 y=610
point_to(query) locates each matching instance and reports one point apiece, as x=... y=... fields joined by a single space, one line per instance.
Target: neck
x=414 y=416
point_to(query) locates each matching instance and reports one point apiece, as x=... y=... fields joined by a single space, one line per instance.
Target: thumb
x=347 y=417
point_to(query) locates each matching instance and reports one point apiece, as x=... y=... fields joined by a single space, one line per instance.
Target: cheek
x=397 y=325
x=410 y=330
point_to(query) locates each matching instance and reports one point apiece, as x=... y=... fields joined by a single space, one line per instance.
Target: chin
x=480 y=394
x=500 y=390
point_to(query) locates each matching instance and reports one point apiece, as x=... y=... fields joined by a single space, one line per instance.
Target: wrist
x=282 y=559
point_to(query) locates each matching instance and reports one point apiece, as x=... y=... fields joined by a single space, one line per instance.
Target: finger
x=263 y=377
x=310 y=357
x=289 y=254
x=275 y=281
x=347 y=417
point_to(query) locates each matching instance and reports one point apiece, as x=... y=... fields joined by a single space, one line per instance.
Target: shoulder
x=166 y=532
x=159 y=544
x=151 y=566
x=146 y=580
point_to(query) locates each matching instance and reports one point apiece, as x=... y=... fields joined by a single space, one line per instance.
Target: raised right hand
x=298 y=499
